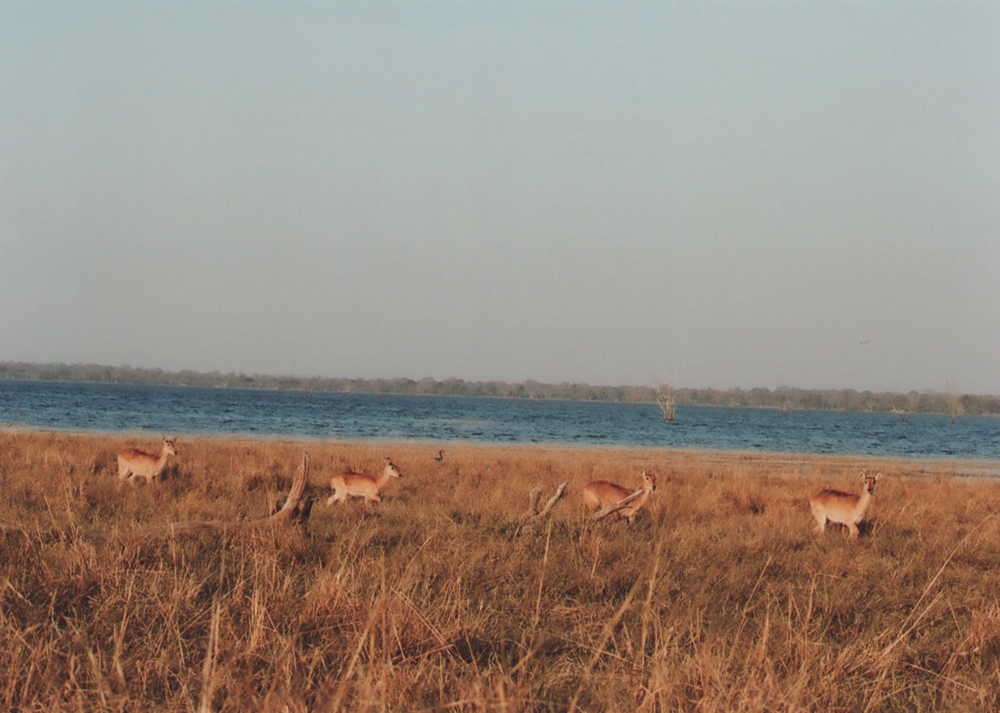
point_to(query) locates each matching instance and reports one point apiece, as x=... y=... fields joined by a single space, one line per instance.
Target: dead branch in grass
x=534 y=517
x=293 y=510
x=604 y=512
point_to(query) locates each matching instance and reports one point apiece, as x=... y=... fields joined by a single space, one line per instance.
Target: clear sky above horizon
x=719 y=194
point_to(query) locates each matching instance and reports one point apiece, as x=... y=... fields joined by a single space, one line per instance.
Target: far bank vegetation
x=787 y=398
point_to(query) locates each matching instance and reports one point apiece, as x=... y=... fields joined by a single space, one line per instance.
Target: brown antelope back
x=133 y=462
x=599 y=494
x=842 y=508
x=361 y=485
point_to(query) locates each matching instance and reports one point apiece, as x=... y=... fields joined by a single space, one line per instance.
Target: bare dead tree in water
x=665 y=400
x=954 y=402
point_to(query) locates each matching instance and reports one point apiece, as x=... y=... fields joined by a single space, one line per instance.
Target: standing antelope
x=843 y=508
x=360 y=485
x=133 y=462
x=600 y=493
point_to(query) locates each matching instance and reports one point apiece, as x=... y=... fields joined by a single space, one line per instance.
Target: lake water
x=165 y=410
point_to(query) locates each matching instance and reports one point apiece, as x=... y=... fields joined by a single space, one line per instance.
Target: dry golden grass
x=719 y=597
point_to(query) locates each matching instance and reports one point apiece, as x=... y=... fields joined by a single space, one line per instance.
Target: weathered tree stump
x=534 y=516
x=604 y=512
x=293 y=509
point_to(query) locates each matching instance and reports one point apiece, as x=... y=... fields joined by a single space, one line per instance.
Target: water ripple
x=172 y=410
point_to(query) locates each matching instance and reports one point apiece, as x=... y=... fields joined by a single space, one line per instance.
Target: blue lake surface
x=190 y=410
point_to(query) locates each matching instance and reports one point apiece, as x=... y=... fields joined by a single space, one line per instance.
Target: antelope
x=439 y=457
x=600 y=493
x=133 y=462
x=843 y=508
x=360 y=485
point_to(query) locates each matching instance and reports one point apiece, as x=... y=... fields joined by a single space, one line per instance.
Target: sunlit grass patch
x=720 y=596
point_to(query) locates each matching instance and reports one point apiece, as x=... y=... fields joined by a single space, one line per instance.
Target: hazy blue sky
x=719 y=194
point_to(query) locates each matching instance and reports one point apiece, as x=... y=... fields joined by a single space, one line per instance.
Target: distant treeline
x=781 y=398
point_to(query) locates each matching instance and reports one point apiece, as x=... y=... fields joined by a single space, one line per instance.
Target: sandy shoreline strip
x=775 y=463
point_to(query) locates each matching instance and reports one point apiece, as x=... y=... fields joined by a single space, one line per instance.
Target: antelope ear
x=877 y=476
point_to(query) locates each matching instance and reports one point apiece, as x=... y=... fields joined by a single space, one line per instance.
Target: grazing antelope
x=600 y=493
x=133 y=462
x=843 y=508
x=360 y=485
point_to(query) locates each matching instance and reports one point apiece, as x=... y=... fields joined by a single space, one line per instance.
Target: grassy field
x=720 y=597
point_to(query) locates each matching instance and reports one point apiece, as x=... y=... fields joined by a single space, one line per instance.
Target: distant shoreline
x=786 y=398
